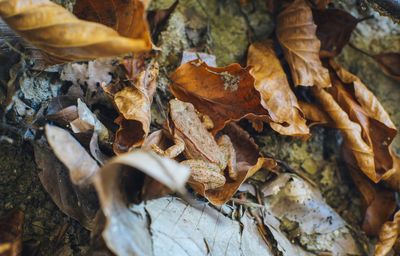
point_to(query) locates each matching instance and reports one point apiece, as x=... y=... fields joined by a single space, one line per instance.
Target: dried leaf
x=334 y=28
x=390 y=64
x=77 y=202
x=128 y=18
x=276 y=95
x=224 y=94
x=313 y=114
x=248 y=161
x=388 y=235
x=293 y=201
x=59 y=33
x=82 y=167
x=11 y=228
x=134 y=103
x=296 y=33
x=126 y=230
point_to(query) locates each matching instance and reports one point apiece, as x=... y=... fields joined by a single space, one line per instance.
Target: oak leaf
x=134 y=105
x=224 y=94
x=296 y=33
x=11 y=228
x=276 y=94
x=334 y=28
x=59 y=33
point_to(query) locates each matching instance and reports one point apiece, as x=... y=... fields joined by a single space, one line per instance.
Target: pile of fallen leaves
x=118 y=159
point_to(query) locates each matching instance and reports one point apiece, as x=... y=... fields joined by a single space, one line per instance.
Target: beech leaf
x=224 y=94
x=388 y=236
x=295 y=31
x=59 y=33
x=276 y=94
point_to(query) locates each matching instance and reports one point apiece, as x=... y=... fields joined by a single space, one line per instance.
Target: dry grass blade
x=296 y=34
x=59 y=33
x=276 y=94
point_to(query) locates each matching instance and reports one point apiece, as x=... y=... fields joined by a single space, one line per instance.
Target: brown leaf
x=388 y=235
x=296 y=33
x=224 y=94
x=321 y=4
x=11 y=228
x=276 y=94
x=59 y=33
x=248 y=161
x=134 y=103
x=313 y=114
x=367 y=127
x=334 y=28
x=390 y=64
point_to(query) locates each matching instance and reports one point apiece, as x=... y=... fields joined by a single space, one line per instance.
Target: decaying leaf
x=82 y=167
x=77 y=202
x=248 y=162
x=367 y=128
x=58 y=32
x=276 y=95
x=390 y=64
x=224 y=94
x=388 y=236
x=11 y=228
x=126 y=231
x=134 y=103
x=128 y=18
x=296 y=32
x=313 y=114
x=334 y=28
x=306 y=217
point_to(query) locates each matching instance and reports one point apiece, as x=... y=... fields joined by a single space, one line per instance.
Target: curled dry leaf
x=134 y=104
x=367 y=127
x=313 y=114
x=82 y=167
x=224 y=94
x=276 y=95
x=334 y=28
x=11 y=228
x=59 y=33
x=296 y=33
x=390 y=64
x=248 y=162
x=388 y=235
x=126 y=231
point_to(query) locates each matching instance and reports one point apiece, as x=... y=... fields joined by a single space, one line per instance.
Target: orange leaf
x=59 y=33
x=296 y=33
x=276 y=95
x=134 y=104
x=224 y=94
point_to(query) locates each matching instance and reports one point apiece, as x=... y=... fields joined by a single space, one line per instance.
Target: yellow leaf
x=59 y=33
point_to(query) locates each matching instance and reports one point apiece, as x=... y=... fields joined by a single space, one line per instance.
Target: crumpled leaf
x=11 y=228
x=128 y=18
x=313 y=114
x=82 y=167
x=295 y=31
x=77 y=202
x=59 y=33
x=389 y=63
x=367 y=127
x=334 y=28
x=134 y=104
x=276 y=95
x=248 y=162
x=379 y=202
x=126 y=230
x=319 y=228
x=224 y=94
x=388 y=236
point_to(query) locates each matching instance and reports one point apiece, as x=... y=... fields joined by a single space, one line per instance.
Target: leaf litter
x=104 y=173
